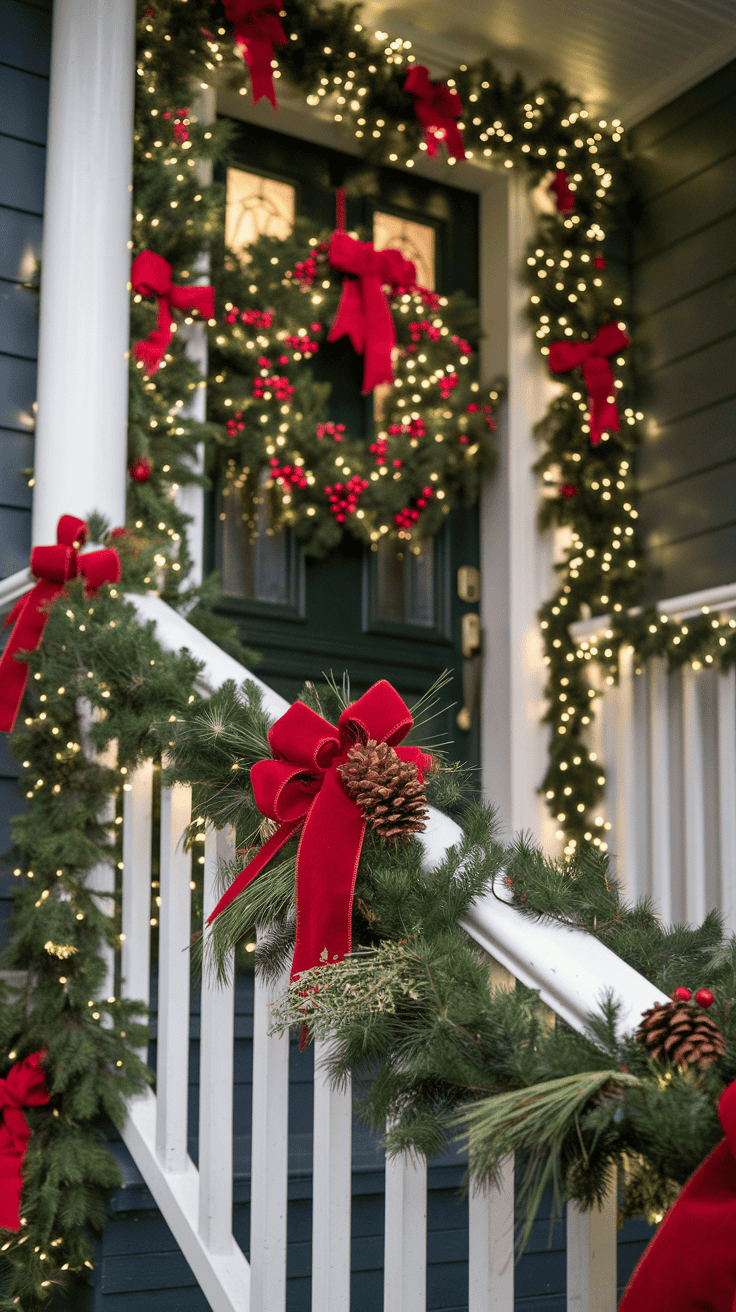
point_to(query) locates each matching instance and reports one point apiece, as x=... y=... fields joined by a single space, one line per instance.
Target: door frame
x=516 y=559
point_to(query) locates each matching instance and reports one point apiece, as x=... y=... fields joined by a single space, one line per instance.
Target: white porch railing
x=570 y=969
x=668 y=745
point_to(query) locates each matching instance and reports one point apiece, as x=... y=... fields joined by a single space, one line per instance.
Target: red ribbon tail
x=454 y=139
x=258 y=53
x=349 y=317
x=331 y=839
x=254 y=867
x=30 y=622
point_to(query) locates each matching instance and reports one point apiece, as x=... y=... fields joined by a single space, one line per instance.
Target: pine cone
x=680 y=1034
x=387 y=790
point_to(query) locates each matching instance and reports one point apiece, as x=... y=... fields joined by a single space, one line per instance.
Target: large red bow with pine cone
x=592 y=358
x=257 y=30
x=438 y=110
x=53 y=567
x=301 y=787
x=24 y=1086
x=150 y=275
x=364 y=314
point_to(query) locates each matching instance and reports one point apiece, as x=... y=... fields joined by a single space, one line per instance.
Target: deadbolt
x=468 y=583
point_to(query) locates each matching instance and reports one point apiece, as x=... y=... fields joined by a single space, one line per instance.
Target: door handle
x=470 y=643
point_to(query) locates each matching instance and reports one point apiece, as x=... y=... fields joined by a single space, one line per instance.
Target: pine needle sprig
x=536 y=1121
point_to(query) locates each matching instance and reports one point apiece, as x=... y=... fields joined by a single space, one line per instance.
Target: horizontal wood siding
x=684 y=275
x=25 y=51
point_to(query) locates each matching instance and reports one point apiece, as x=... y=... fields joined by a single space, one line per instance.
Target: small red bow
x=53 y=567
x=592 y=358
x=301 y=786
x=24 y=1086
x=151 y=276
x=363 y=313
x=257 y=29
x=438 y=110
x=564 y=198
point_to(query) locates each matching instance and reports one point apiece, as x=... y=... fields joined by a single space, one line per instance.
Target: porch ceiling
x=627 y=57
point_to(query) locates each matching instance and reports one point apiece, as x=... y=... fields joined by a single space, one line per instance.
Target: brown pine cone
x=387 y=790
x=680 y=1034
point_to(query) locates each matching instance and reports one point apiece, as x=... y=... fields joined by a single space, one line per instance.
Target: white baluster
x=491 y=1244
x=591 y=1258
x=216 y=1076
x=694 y=797
x=331 y=1189
x=405 y=1254
x=628 y=783
x=172 y=1064
x=727 y=793
x=136 y=910
x=270 y=1155
x=659 y=774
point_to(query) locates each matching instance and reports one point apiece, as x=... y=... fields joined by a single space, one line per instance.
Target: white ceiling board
x=625 y=57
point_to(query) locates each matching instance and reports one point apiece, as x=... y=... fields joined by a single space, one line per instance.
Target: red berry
x=140 y=470
x=704 y=998
x=682 y=995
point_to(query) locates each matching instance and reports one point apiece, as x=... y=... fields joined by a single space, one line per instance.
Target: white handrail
x=687 y=604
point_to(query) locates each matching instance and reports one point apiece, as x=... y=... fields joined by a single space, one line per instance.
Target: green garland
x=434 y=1050
x=95 y=654
x=340 y=68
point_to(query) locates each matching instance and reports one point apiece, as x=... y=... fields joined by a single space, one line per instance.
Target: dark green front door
x=365 y=612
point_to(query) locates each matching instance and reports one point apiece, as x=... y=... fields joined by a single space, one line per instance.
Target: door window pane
x=414 y=240
x=255 y=557
x=405 y=584
x=256 y=207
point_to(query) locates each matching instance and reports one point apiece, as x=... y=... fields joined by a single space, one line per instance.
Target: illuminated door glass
x=414 y=240
x=256 y=207
x=255 y=558
x=405 y=585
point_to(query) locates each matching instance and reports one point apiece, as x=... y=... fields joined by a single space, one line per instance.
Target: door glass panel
x=255 y=557
x=414 y=240
x=405 y=585
x=256 y=207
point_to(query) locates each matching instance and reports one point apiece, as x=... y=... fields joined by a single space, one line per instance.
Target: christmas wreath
x=436 y=1051
x=430 y=427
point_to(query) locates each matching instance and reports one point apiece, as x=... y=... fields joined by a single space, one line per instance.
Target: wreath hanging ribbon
x=363 y=313
x=257 y=30
x=592 y=358
x=24 y=1086
x=150 y=275
x=301 y=788
x=53 y=566
x=438 y=110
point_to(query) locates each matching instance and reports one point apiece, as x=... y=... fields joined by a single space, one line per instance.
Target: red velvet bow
x=438 y=110
x=150 y=275
x=363 y=313
x=24 y=1086
x=690 y=1264
x=592 y=358
x=301 y=786
x=53 y=567
x=564 y=198
x=257 y=29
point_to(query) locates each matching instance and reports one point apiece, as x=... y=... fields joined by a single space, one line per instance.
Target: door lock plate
x=470 y=634
x=468 y=583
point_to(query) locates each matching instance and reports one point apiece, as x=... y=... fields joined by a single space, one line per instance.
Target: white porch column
x=80 y=459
